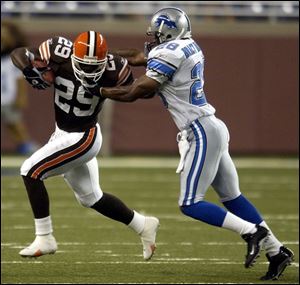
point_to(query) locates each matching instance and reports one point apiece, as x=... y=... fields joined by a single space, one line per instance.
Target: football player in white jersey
x=175 y=67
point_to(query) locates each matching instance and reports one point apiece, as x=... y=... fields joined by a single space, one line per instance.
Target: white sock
x=236 y=224
x=43 y=226
x=137 y=223
x=271 y=244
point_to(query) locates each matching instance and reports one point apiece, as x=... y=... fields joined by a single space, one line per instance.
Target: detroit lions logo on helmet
x=167 y=21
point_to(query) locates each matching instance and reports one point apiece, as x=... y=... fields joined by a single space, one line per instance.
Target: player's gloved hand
x=34 y=76
x=184 y=147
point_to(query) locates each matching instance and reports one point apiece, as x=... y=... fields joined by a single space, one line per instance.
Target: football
x=48 y=75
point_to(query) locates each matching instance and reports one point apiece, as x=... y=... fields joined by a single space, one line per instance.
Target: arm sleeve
x=157 y=76
x=44 y=50
x=162 y=65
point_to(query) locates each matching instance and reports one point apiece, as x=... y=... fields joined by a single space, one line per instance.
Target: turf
x=94 y=249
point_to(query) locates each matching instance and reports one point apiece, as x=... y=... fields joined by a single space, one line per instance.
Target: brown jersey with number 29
x=76 y=110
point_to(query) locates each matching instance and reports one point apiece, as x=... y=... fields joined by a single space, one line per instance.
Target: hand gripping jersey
x=178 y=65
x=75 y=109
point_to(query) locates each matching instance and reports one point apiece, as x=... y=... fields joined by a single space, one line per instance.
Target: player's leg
x=44 y=242
x=209 y=142
x=84 y=180
x=61 y=153
x=226 y=184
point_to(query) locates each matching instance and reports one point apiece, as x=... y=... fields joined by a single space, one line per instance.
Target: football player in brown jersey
x=78 y=68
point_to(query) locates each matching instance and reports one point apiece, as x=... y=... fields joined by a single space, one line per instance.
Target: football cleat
x=41 y=245
x=148 y=236
x=253 y=244
x=278 y=263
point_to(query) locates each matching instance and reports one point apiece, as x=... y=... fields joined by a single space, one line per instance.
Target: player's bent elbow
x=17 y=52
x=14 y=55
x=14 y=52
x=18 y=58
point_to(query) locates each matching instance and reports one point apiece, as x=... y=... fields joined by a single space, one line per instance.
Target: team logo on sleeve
x=167 y=21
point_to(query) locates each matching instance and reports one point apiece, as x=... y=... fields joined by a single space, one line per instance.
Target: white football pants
x=208 y=163
x=72 y=155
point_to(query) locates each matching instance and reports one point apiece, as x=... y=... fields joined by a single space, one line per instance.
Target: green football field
x=95 y=250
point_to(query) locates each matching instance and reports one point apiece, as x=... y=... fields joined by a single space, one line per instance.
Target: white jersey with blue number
x=178 y=65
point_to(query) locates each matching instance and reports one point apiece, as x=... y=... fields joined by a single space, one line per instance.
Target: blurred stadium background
x=251 y=74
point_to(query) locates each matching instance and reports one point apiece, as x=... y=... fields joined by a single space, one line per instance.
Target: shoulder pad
x=171 y=55
x=57 y=49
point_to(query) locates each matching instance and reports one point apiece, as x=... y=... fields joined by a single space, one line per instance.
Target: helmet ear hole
x=168 y=36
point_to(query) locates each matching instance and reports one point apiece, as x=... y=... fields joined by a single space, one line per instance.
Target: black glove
x=34 y=77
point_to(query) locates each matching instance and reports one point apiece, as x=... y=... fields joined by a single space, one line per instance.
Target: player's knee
x=84 y=202
x=29 y=179
x=33 y=185
x=183 y=210
x=230 y=196
x=26 y=166
x=87 y=201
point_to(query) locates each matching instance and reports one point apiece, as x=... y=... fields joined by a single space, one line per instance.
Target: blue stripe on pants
x=194 y=163
x=204 y=149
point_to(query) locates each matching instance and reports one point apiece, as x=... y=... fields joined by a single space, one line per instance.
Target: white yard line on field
x=161 y=261
x=168 y=162
x=16 y=245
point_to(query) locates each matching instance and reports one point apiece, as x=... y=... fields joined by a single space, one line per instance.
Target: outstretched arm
x=135 y=57
x=143 y=87
x=19 y=58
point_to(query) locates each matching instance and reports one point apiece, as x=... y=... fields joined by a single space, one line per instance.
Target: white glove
x=184 y=147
